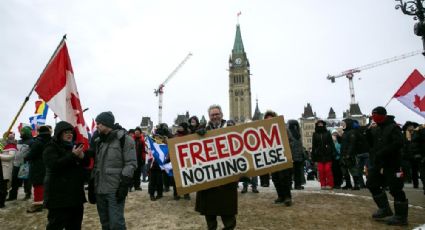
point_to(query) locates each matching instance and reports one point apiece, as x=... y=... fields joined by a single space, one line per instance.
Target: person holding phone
x=64 y=182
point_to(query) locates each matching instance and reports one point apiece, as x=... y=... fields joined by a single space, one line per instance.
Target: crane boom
x=160 y=90
x=373 y=65
x=350 y=73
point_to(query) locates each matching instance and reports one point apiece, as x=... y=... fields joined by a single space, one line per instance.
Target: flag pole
x=388 y=102
x=27 y=98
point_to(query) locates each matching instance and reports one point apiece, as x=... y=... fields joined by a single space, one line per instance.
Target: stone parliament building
x=240 y=103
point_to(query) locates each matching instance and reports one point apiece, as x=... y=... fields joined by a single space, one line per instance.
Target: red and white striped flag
x=57 y=87
x=239 y=13
x=412 y=93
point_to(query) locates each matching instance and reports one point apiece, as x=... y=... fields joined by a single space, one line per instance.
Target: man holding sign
x=212 y=162
x=221 y=200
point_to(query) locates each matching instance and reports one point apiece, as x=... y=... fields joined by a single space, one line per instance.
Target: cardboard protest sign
x=224 y=155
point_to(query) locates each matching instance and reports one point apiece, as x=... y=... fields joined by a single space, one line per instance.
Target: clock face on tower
x=238 y=61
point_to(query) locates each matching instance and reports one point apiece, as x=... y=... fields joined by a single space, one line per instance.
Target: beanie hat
x=106 y=119
x=379 y=110
x=26 y=132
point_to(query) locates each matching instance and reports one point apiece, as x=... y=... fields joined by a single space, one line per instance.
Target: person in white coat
x=6 y=157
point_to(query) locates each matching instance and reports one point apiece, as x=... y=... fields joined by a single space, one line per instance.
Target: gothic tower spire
x=239 y=81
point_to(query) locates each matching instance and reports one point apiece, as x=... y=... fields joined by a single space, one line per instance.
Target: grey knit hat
x=106 y=119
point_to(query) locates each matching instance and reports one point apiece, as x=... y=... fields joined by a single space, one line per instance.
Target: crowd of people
x=55 y=170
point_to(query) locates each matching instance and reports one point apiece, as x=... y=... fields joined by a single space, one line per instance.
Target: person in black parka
x=297 y=150
x=349 y=150
x=385 y=141
x=282 y=179
x=37 y=169
x=322 y=153
x=64 y=182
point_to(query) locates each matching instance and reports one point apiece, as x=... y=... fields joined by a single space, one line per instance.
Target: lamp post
x=414 y=8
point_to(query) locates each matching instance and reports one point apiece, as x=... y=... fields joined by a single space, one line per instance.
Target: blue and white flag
x=160 y=153
x=37 y=120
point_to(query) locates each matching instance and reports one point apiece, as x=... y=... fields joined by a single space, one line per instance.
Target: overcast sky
x=122 y=50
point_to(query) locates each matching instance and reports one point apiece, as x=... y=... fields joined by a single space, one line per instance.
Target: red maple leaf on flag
x=419 y=103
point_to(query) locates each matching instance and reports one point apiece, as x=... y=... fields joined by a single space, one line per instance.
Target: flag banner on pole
x=58 y=89
x=160 y=153
x=412 y=93
x=41 y=107
x=36 y=121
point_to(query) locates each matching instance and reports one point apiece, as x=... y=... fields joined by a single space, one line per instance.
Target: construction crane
x=350 y=73
x=160 y=90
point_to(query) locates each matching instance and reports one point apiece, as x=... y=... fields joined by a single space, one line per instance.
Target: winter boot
x=27 y=197
x=35 y=207
x=244 y=189
x=347 y=185
x=2 y=200
x=255 y=190
x=279 y=200
x=288 y=202
x=401 y=212
x=13 y=195
x=356 y=183
x=384 y=210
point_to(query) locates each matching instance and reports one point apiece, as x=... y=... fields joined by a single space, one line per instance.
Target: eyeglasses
x=68 y=132
x=215 y=114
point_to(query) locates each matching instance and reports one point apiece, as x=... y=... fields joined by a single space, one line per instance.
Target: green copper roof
x=238 y=46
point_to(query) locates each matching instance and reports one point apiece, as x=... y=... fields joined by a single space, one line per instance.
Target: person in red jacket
x=140 y=144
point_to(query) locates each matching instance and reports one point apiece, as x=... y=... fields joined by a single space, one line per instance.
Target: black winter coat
x=221 y=200
x=385 y=143
x=35 y=158
x=323 y=148
x=64 y=181
x=297 y=149
x=417 y=145
x=295 y=141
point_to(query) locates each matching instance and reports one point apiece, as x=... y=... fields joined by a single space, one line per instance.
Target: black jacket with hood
x=385 y=141
x=323 y=149
x=64 y=181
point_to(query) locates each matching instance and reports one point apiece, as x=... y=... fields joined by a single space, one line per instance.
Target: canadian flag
x=412 y=93
x=57 y=88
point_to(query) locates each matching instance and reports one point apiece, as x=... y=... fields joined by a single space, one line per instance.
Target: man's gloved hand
x=201 y=131
x=122 y=190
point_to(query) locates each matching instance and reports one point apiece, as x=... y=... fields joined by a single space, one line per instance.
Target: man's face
x=215 y=116
x=102 y=129
x=137 y=133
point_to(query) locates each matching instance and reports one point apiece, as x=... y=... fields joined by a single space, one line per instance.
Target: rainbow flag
x=41 y=107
